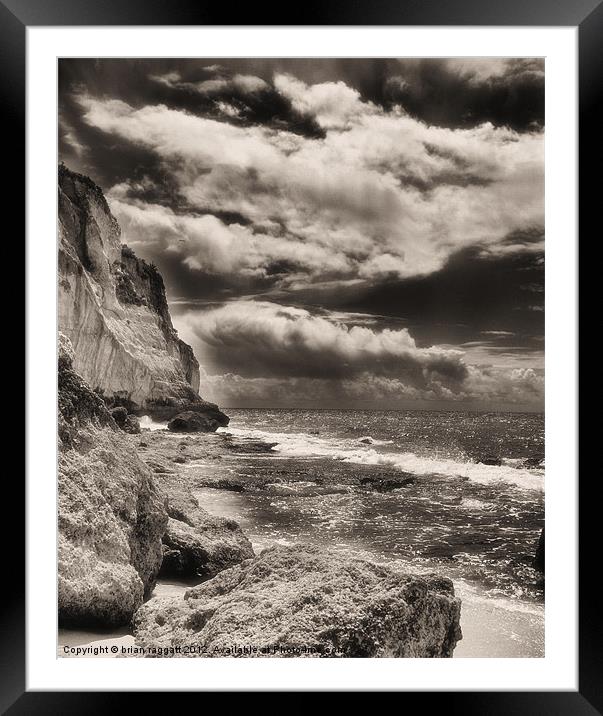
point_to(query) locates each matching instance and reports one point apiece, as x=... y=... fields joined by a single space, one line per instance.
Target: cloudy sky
x=354 y=233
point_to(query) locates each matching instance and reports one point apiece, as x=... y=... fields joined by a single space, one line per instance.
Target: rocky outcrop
x=304 y=601
x=111 y=515
x=195 y=422
x=490 y=460
x=197 y=544
x=386 y=485
x=113 y=308
x=128 y=422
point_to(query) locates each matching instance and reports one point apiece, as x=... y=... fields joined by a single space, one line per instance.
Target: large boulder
x=171 y=409
x=193 y=422
x=305 y=601
x=111 y=515
x=197 y=544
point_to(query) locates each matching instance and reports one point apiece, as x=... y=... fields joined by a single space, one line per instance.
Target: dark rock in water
x=380 y=485
x=198 y=544
x=111 y=517
x=224 y=484
x=490 y=460
x=203 y=407
x=305 y=601
x=366 y=441
x=533 y=461
x=192 y=422
x=539 y=556
x=249 y=446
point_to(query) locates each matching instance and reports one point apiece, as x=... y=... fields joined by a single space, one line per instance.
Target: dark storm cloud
x=464 y=93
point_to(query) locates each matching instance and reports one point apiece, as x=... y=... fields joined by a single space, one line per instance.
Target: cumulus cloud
x=333 y=104
x=259 y=338
x=216 y=85
x=386 y=195
x=263 y=349
x=260 y=352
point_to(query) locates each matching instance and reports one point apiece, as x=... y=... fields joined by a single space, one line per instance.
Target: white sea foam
x=303 y=445
x=147 y=422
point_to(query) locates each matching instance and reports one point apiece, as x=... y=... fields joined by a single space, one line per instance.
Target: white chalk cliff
x=113 y=308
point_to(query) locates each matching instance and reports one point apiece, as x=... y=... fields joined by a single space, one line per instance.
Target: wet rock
x=305 y=601
x=225 y=484
x=490 y=460
x=193 y=422
x=380 y=485
x=210 y=410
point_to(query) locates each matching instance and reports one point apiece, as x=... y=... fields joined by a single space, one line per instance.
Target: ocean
x=404 y=486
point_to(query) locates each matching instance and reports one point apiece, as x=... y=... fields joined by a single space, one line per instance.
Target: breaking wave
x=304 y=445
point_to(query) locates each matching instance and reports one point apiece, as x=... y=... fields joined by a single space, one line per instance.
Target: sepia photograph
x=301 y=357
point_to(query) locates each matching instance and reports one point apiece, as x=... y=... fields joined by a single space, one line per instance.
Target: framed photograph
x=302 y=352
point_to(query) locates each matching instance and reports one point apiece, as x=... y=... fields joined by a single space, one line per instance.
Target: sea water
x=323 y=480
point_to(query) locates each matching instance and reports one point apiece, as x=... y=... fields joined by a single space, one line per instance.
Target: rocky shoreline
x=127 y=513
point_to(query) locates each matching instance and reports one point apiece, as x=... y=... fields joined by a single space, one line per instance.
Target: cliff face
x=112 y=307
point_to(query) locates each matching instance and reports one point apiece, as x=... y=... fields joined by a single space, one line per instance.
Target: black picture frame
x=586 y=15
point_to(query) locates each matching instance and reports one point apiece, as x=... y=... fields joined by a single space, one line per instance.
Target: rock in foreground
x=197 y=544
x=111 y=515
x=304 y=601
